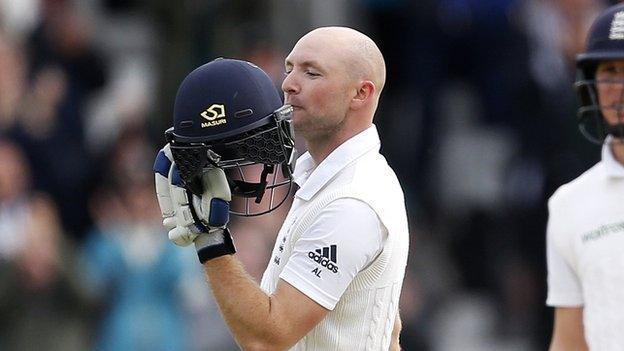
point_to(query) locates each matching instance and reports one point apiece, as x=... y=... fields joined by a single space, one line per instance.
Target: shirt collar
x=312 y=178
x=613 y=168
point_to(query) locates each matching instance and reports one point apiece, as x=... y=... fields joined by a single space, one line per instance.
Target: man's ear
x=363 y=95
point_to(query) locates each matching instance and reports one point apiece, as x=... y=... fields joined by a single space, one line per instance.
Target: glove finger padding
x=170 y=222
x=162 y=167
x=180 y=198
x=182 y=236
x=190 y=218
x=186 y=226
x=213 y=207
x=171 y=211
x=215 y=199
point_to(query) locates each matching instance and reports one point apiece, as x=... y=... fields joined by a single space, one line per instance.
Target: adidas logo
x=326 y=257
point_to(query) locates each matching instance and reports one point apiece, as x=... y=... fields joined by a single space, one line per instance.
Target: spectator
x=41 y=302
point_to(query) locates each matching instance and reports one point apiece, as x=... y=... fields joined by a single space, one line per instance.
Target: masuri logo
x=215 y=115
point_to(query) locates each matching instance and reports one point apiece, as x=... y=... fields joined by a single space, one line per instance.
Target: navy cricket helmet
x=229 y=114
x=605 y=41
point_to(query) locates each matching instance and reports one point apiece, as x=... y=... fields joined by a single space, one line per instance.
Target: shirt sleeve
x=344 y=239
x=564 y=286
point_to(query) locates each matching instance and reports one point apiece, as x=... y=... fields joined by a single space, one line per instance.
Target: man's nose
x=289 y=85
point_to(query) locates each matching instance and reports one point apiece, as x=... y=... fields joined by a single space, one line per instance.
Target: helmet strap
x=248 y=189
x=268 y=168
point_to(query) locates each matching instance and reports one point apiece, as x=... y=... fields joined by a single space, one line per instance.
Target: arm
x=568 y=330
x=258 y=321
x=396 y=333
x=564 y=284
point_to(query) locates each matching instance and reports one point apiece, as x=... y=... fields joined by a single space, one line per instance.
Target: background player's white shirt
x=348 y=253
x=585 y=251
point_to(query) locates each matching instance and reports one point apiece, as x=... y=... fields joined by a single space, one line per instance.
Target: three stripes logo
x=326 y=257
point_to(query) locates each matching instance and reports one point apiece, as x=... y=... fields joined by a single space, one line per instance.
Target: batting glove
x=202 y=220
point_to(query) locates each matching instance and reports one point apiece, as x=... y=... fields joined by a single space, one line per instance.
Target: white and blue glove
x=202 y=220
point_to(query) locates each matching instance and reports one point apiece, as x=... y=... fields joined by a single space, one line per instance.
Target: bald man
x=335 y=275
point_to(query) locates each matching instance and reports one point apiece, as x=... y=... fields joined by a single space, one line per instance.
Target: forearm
x=568 y=332
x=571 y=343
x=246 y=309
x=563 y=347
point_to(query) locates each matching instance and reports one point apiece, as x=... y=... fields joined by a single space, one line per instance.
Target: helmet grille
x=189 y=159
x=262 y=148
x=267 y=144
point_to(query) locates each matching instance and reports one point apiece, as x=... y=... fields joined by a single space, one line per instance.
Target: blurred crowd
x=477 y=119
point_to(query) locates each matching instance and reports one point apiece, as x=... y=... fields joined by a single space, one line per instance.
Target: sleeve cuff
x=299 y=282
x=564 y=300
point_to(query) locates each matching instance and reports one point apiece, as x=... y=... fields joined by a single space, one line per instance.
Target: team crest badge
x=617 y=27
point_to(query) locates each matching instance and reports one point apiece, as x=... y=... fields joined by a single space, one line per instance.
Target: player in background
x=337 y=268
x=585 y=234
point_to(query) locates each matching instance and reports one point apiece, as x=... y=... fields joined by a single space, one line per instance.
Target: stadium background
x=477 y=119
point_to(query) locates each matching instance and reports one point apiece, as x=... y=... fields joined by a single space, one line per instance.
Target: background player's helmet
x=229 y=114
x=605 y=41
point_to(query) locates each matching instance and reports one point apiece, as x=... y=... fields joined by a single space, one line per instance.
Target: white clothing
x=344 y=244
x=15 y=217
x=585 y=251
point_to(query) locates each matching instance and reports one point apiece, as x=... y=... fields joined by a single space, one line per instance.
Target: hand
x=162 y=169
x=177 y=216
x=202 y=220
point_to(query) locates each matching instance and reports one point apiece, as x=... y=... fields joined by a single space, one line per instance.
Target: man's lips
x=294 y=106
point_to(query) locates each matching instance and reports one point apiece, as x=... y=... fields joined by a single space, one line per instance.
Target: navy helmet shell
x=222 y=98
x=605 y=40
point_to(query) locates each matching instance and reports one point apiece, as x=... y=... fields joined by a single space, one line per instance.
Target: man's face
x=610 y=87
x=317 y=86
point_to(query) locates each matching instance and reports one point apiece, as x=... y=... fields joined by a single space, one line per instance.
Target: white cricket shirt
x=344 y=244
x=585 y=251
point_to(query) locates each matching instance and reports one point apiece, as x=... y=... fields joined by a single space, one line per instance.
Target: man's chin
x=301 y=128
x=298 y=118
x=298 y=127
